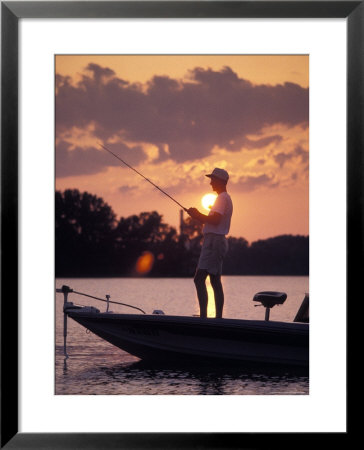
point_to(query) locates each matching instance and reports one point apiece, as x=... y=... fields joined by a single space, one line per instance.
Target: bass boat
x=165 y=338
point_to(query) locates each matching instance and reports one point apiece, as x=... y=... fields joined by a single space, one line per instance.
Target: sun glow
x=208 y=201
x=144 y=263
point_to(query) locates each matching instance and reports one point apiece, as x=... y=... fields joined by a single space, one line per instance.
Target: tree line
x=91 y=242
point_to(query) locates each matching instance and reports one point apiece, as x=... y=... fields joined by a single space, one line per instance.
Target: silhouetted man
x=215 y=246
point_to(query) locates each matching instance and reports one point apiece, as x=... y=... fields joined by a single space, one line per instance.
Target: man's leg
x=200 y=283
x=218 y=294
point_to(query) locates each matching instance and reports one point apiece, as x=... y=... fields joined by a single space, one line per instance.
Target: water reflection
x=78 y=375
x=206 y=380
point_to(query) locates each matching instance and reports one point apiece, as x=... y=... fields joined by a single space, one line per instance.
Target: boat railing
x=66 y=290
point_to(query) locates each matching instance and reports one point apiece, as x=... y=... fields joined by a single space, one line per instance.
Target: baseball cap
x=221 y=174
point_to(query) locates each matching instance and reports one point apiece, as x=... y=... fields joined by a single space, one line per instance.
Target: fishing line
x=145 y=178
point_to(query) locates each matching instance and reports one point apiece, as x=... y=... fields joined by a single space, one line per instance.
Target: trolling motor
x=65 y=290
x=269 y=299
x=67 y=306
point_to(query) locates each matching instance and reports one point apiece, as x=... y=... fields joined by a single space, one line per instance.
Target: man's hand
x=213 y=218
x=194 y=213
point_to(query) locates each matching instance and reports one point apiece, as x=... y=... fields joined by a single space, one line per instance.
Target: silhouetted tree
x=91 y=242
x=281 y=255
x=83 y=236
x=146 y=232
x=237 y=260
x=192 y=229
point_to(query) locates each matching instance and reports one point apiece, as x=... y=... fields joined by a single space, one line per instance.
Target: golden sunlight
x=211 y=310
x=208 y=201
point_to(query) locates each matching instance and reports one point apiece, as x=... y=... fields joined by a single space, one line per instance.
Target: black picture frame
x=11 y=12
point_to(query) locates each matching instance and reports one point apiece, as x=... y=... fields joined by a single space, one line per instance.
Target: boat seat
x=270 y=298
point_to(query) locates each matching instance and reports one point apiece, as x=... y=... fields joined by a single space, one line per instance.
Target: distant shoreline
x=174 y=277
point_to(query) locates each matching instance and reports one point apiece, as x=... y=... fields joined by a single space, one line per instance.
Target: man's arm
x=213 y=218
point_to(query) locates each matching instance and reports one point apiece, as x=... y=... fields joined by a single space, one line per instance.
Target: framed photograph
x=307 y=58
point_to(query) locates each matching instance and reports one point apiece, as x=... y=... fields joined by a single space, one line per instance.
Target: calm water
x=97 y=367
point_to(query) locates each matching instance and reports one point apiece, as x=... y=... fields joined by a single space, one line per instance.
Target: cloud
x=263 y=142
x=127 y=189
x=302 y=153
x=249 y=183
x=72 y=161
x=282 y=157
x=189 y=117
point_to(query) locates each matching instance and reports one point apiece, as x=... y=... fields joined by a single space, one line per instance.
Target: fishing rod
x=145 y=178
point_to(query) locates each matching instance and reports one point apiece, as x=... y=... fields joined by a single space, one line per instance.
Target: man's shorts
x=214 y=249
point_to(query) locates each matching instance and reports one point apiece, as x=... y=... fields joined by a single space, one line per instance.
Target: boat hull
x=178 y=338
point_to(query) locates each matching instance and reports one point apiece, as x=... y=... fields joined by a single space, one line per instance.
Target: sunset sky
x=175 y=118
